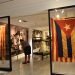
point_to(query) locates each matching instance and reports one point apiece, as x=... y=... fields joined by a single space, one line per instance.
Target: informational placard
x=62 y=32
x=5 y=44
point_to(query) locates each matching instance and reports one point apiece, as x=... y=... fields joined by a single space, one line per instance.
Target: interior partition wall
x=5 y=44
x=62 y=40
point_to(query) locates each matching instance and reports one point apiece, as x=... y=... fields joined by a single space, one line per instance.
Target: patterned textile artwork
x=4 y=47
x=2 y=42
x=17 y=33
x=63 y=40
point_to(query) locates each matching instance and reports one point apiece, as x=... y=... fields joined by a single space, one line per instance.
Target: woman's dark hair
x=21 y=40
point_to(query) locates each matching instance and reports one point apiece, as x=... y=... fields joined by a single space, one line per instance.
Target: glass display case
x=5 y=45
x=36 y=39
x=62 y=33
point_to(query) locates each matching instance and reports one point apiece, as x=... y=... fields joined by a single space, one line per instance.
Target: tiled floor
x=35 y=67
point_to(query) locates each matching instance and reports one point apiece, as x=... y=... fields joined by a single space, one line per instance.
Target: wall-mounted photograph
x=17 y=33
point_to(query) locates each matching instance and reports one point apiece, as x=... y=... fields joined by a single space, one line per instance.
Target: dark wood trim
x=50 y=44
x=72 y=6
x=5 y=17
x=9 y=42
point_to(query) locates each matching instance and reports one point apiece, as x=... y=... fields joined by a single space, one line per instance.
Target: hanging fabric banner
x=2 y=43
x=63 y=40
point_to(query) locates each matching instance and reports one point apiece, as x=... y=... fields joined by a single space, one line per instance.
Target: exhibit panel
x=62 y=31
x=17 y=33
x=5 y=47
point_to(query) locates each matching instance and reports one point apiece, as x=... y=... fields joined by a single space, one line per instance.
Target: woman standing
x=27 y=50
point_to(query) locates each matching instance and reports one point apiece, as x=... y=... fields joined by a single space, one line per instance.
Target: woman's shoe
x=28 y=61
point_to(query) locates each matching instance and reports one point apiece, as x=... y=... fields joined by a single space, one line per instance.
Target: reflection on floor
x=35 y=67
x=67 y=68
x=39 y=67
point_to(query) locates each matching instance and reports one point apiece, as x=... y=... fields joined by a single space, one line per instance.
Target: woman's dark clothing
x=27 y=50
x=26 y=47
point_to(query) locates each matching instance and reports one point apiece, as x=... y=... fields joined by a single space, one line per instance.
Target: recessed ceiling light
x=20 y=20
x=57 y=16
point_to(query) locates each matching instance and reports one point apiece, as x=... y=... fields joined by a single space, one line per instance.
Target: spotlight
x=20 y=20
x=57 y=16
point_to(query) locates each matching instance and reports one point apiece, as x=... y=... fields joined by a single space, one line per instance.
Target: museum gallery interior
x=49 y=28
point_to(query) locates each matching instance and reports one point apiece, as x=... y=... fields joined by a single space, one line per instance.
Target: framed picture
x=5 y=45
x=62 y=33
x=17 y=33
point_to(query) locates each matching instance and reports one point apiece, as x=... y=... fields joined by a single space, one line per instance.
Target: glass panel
x=62 y=23
x=4 y=44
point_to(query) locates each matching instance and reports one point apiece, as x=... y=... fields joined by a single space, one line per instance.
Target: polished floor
x=35 y=67
x=39 y=67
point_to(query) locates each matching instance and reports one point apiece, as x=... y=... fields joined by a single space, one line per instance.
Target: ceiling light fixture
x=22 y=20
x=19 y=20
x=57 y=16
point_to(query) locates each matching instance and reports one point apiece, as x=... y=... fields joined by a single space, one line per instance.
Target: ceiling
x=4 y=1
x=28 y=7
x=35 y=12
x=37 y=21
